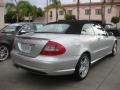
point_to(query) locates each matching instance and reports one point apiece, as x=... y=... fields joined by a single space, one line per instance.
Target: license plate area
x=25 y=48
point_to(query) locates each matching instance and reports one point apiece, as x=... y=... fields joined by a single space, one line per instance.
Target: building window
x=98 y=11
x=70 y=12
x=51 y=14
x=87 y=11
x=61 y=12
x=109 y=10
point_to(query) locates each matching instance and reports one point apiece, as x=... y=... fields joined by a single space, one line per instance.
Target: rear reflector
x=53 y=49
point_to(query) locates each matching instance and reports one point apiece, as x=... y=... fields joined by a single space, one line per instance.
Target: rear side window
x=54 y=28
x=87 y=30
x=98 y=29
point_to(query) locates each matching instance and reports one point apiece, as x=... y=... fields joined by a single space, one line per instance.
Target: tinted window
x=54 y=28
x=11 y=29
x=87 y=30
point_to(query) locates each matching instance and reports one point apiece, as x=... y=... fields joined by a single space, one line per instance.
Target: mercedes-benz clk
x=63 y=47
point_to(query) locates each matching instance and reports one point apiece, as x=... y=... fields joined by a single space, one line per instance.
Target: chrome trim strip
x=67 y=70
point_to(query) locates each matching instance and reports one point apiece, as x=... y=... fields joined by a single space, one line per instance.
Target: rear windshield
x=54 y=28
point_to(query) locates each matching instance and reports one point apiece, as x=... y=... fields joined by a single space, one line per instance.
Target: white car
x=64 y=47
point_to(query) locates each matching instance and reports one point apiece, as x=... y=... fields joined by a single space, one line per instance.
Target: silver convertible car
x=64 y=47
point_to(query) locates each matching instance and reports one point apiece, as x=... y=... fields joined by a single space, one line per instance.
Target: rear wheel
x=114 y=50
x=4 y=52
x=82 y=67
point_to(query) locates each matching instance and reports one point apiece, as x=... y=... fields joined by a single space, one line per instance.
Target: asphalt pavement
x=103 y=75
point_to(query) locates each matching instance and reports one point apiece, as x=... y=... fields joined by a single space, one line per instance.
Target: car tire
x=82 y=67
x=114 y=50
x=4 y=52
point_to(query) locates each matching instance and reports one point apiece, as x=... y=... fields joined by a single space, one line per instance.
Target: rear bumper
x=46 y=65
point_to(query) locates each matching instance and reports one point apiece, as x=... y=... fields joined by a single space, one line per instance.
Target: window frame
x=98 y=11
x=61 y=12
x=109 y=11
x=87 y=11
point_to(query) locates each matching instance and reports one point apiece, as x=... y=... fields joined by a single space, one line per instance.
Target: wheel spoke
x=1 y=56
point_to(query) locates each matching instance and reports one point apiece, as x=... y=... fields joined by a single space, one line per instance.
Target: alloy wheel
x=4 y=52
x=84 y=67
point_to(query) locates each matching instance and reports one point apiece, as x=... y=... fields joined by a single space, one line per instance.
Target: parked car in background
x=7 y=24
x=111 y=28
x=8 y=33
x=64 y=47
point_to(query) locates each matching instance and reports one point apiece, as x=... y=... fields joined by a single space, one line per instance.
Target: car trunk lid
x=32 y=44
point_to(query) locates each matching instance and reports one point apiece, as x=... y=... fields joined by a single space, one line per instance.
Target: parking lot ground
x=104 y=75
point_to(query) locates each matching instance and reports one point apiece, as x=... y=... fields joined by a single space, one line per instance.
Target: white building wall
x=82 y=15
x=93 y=15
x=1 y=14
x=52 y=19
x=108 y=16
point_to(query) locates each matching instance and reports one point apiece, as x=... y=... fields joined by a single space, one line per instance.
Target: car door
x=109 y=39
x=92 y=40
x=110 y=42
x=102 y=41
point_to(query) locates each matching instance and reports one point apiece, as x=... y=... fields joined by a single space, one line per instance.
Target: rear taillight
x=53 y=49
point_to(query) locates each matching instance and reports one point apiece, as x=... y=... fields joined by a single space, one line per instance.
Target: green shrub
x=115 y=20
x=70 y=17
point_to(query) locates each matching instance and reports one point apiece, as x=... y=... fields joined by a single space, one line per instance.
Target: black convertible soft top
x=75 y=25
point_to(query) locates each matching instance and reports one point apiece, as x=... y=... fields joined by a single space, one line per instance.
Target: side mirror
x=110 y=34
x=21 y=32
